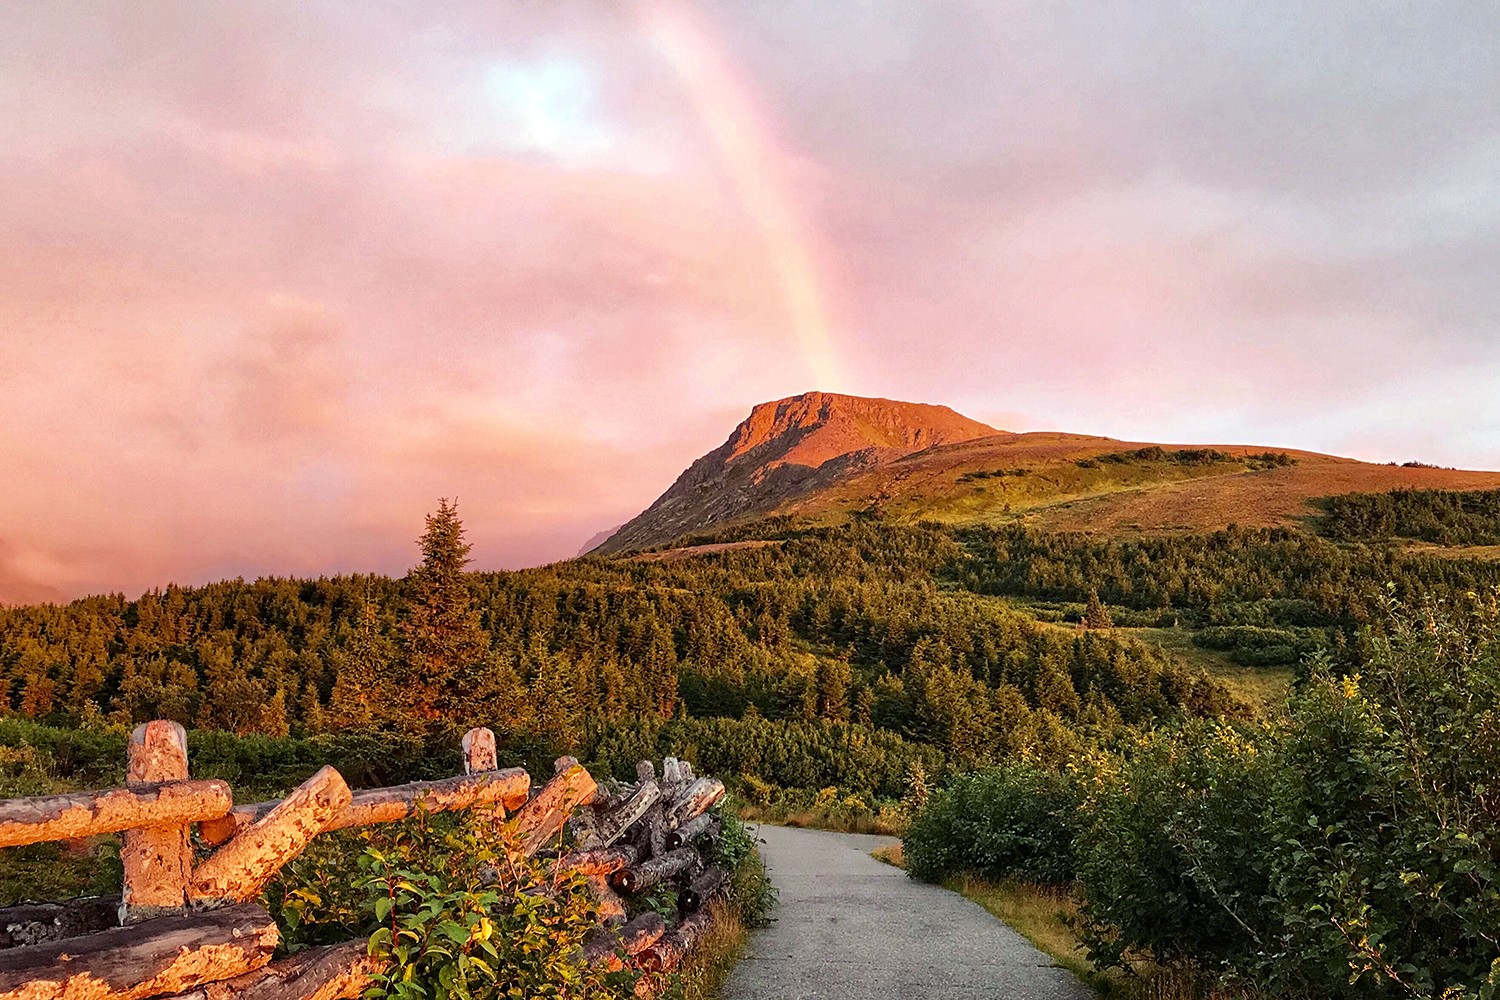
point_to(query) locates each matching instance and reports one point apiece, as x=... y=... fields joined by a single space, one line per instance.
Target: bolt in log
x=479 y=751
x=605 y=946
x=698 y=798
x=239 y=869
x=638 y=878
x=672 y=947
x=612 y=825
x=542 y=817
x=86 y=814
x=156 y=957
x=157 y=859
x=505 y=789
x=703 y=888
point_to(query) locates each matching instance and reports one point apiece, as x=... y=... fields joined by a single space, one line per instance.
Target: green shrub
x=457 y=910
x=1012 y=822
x=1172 y=857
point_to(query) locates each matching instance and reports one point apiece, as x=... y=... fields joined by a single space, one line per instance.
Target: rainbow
x=748 y=155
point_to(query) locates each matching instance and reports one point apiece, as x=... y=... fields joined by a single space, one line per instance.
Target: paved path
x=852 y=928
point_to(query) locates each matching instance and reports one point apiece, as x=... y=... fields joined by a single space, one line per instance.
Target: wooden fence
x=190 y=927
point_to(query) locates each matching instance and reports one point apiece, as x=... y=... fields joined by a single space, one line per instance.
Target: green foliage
x=1171 y=850
x=1013 y=822
x=751 y=893
x=1239 y=576
x=1347 y=851
x=855 y=622
x=458 y=911
x=1442 y=517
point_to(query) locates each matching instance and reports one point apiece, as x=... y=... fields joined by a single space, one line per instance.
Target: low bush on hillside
x=1006 y=823
x=1442 y=517
x=1348 y=851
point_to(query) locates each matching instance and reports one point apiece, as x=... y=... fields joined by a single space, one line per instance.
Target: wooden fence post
x=158 y=860
x=479 y=751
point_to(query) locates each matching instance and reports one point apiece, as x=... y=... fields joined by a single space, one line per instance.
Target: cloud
x=277 y=277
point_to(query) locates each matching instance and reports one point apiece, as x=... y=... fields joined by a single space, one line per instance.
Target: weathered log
x=542 y=817
x=332 y=972
x=585 y=824
x=710 y=837
x=651 y=833
x=689 y=831
x=86 y=814
x=562 y=763
x=156 y=957
x=698 y=798
x=33 y=923
x=479 y=751
x=638 y=878
x=672 y=947
x=506 y=788
x=157 y=859
x=239 y=869
x=607 y=946
x=612 y=825
x=703 y=888
x=601 y=861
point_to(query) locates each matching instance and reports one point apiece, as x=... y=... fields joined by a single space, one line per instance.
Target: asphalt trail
x=851 y=928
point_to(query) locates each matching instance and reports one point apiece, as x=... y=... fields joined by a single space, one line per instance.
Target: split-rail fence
x=190 y=927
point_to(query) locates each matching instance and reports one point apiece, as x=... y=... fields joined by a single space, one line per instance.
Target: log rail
x=192 y=931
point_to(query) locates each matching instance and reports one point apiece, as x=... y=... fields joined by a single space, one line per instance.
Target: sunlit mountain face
x=275 y=278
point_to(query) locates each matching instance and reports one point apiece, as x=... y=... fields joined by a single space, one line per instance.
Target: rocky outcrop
x=788 y=448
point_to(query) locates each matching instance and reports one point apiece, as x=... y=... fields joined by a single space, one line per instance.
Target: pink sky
x=274 y=278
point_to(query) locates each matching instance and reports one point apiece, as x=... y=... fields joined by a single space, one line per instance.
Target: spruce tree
x=1095 y=614
x=441 y=636
x=361 y=672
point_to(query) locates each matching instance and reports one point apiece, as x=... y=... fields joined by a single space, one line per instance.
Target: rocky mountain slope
x=786 y=449
x=821 y=458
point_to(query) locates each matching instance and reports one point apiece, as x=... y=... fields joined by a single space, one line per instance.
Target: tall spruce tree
x=441 y=636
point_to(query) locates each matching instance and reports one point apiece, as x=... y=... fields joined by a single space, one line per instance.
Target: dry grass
x=1045 y=916
x=887 y=822
x=1121 y=500
x=707 y=969
x=1267 y=688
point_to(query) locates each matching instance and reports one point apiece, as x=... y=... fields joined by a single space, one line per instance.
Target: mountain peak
x=788 y=447
x=818 y=426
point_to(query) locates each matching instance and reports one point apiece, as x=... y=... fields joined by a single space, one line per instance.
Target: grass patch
x=1046 y=916
x=835 y=817
x=1266 y=688
x=706 y=970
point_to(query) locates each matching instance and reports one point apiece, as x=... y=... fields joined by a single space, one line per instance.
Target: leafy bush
x=457 y=910
x=1013 y=822
x=751 y=894
x=1348 y=851
x=1171 y=852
